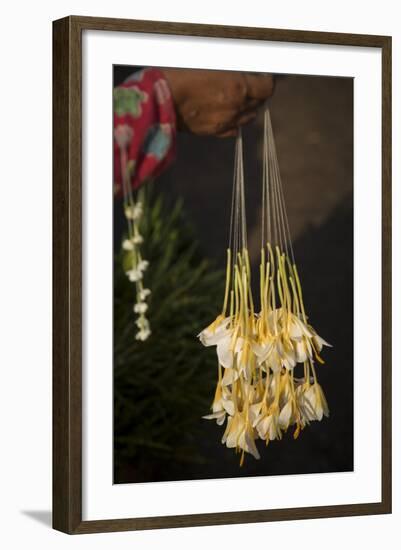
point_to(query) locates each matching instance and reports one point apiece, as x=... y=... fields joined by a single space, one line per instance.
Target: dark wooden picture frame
x=67 y=274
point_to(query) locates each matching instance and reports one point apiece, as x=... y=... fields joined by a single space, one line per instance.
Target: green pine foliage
x=164 y=385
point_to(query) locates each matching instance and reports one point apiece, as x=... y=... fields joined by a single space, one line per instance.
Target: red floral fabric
x=144 y=128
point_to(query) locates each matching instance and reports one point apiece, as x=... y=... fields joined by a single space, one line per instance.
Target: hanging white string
x=275 y=225
x=238 y=231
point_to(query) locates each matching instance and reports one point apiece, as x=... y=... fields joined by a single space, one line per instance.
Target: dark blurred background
x=312 y=120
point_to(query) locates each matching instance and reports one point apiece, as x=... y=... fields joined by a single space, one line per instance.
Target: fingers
x=245 y=118
x=240 y=121
x=232 y=122
x=250 y=104
x=259 y=86
x=228 y=133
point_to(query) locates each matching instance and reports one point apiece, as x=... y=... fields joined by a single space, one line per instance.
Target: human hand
x=216 y=102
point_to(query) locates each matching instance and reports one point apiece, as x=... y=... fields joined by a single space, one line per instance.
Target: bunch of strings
x=257 y=393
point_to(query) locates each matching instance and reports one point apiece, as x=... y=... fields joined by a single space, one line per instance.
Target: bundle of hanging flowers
x=257 y=393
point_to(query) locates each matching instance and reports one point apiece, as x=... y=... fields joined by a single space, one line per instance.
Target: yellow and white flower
x=222 y=405
x=315 y=397
x=267 y=424
x=211 y=335
x=240 y=434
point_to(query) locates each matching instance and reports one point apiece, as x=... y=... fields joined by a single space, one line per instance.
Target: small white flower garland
x=131 y=245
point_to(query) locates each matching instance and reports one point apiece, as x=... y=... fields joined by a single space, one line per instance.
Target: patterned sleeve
x=144 y=128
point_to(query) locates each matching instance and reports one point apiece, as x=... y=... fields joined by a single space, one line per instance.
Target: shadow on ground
x=40 y=516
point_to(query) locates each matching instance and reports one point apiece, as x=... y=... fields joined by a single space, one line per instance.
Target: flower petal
x=254 y=411
x=230 y=375
x=300 y=352
x=250 y=446
x=224 y=351
x=228 y=406
x=285 y=416
x=211 y=335
x=319 y=342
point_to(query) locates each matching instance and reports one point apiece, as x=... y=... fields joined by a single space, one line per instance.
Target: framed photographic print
x=222 y=272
